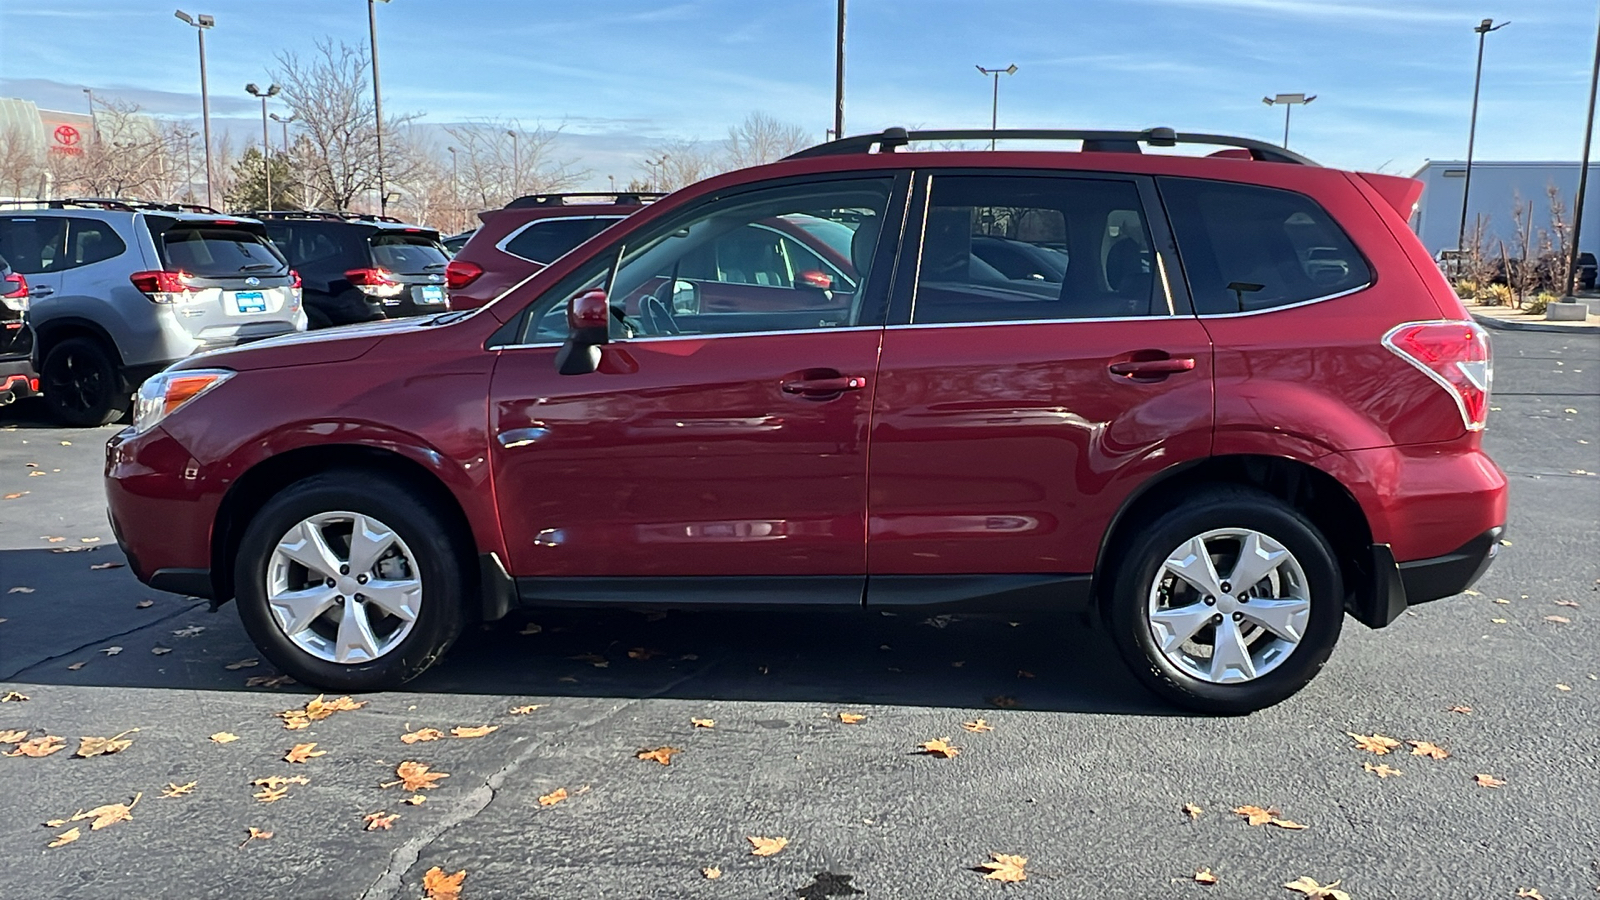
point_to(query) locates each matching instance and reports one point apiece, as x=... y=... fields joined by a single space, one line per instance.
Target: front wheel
x=350 y=582
x=1229 y=603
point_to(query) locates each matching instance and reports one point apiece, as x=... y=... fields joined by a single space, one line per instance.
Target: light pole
x=1288 y=102
x=455 y=189
x=516 y=167
x=1583 y=173
x=994 y=109
x=838 y=77
x=266 y=148
x=1484 y=27
x=377 y=100
x=201 y=23
x=94 y=133
x=295 y=117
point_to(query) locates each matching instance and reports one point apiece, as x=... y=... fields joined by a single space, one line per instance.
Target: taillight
x=159 y=286
x=15 y=292
x=1455 y=355
x=375 y=282
x=295 y=283
x=459 y=273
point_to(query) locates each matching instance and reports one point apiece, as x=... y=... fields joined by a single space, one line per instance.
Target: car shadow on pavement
x=77 y=609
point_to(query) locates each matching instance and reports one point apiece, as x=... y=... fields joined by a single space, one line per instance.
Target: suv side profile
x=120 y=289
x=360 y=267
x=1221 y=403
x=528 y=234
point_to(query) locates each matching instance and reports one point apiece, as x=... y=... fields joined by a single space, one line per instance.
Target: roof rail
x=112 y=203
x=325 y=215
x=891 y=140
x=619 y=198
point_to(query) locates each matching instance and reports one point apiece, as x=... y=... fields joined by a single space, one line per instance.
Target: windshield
x=408 y=254
x=214 y=252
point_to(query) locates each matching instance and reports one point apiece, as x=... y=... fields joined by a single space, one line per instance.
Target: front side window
x=546 y=240
x=219 y=252
x=34 y=244
x=1013 y=248
x=1247 y=248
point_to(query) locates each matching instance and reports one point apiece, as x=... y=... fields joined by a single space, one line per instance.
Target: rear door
x=240 y=284
x=35 y=245
x=414 y=258
x=1014 y=414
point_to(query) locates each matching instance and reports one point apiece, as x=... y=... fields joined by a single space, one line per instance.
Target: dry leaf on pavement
x=144 y=604
x=317 y=710
x=256 y=834
x=1205 y=876
x=661 y=755
x=1004 y=867
x=161 y=651
x=189 y=631
x=524 y=710
x=379 y=821
x=643 y=653
x=416 y=800
x=1374 y=743
x=421 y=734
x=302 y=752
x=20 y=590
x=711 y=872
x=530 y=628
x=703 y=723
x=106 y=565
x=95 y=746
x=414 y=776
x=13 y=737
x=1308 y=886
x=765 y=846
x=850 y=718
x=474 y=731
x=977 y=725
x=66 y=837
x=1256 y=815
x=1529 y=893
x=39 y=747
x=75 y=666
x=224 y=737
x=110 y=814
x=250 y=663
x=1192 y=811
x=554 y=797
x=174 y=790
x=1382 y=770
x=268 y=681
x=1428 y=749
x=1463 y=710
x=436 y=885
x=1488 y=781
x=9 y=696
x=1004 y=702
x=939 y=747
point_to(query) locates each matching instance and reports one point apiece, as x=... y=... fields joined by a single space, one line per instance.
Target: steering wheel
x=657 y=317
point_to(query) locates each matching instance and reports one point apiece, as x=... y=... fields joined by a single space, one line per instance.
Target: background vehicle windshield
x=408 y=253
x=220 y=252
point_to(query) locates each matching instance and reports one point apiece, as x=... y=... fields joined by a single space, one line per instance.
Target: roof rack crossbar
x=620 y=198
x=891 y=140
x=112 y=203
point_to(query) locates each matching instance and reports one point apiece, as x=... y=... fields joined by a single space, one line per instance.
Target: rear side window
x=219 y=252
x=317 y=247
x=1247 y=248
x=546 y=240
x=34 y=244
x=408 y=254
x=91 y=241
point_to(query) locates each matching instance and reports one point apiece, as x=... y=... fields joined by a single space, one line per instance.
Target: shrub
x=1538 y=304
x=1497 y=295
x=1466 y=288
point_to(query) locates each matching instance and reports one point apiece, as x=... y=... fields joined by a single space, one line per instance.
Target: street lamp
x=1583 y=173
x=377 y=100
x=1484 y=27
x=94 y=133
x=516 y=166
x=455 y=189
x=201 y=23
x=994 y=109
x=295 y=117
x=1288 y=102
x=266 y=148
x=838 y=77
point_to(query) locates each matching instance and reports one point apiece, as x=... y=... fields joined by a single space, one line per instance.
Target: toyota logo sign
x=67 y=136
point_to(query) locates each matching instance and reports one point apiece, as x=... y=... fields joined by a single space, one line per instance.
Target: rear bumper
x=1394 y=586
x=17 y=379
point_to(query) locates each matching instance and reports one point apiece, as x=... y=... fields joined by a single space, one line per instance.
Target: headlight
x=162 y=395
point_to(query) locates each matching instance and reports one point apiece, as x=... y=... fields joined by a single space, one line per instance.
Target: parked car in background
x=360 y=268
x=455 y=242
x=120 y=289
x=1199 y=429
x=17 y=376
x=528 y=234
x=1586 y=271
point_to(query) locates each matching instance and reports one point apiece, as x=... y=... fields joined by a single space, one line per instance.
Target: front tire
x=1229 y=603
x=351 y=582
x=81 y=385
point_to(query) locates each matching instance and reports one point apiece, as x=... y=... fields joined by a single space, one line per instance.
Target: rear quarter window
x=219 y=252
x=546 y=240
x=1247 y=248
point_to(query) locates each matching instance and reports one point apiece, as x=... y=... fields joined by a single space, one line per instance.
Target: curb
x=1504 y=325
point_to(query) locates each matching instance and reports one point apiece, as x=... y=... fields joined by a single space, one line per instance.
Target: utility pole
x=1583 y=173
x=838 y=77
x=377 y=101
x=266 y=146
x=994 y=109
x=1486 y=26
x=201 y=23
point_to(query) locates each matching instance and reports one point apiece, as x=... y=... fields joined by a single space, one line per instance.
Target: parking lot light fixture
x=201 y=23
x=1288 y=102
x=293 y=117
x=1484 y=27
x=516 y=166
x=1583 y=174
x=266 y=147
x=994 y=108
x=377 y=100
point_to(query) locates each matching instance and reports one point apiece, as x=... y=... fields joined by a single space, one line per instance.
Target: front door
x=714 y=451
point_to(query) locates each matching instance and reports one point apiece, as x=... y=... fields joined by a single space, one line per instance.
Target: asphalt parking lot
x=1083 y=772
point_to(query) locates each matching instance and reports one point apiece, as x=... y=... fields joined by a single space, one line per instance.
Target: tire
x=81 y=384
x=428 y=548
x=1148 y=597
x=316 y=318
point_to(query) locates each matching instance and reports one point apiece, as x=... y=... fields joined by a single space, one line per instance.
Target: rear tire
x=1263 y=648
x=81 y=384
x=302 y=629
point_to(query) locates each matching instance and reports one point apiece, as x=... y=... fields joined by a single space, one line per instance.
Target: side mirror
x=815 y=280
x=588 y=329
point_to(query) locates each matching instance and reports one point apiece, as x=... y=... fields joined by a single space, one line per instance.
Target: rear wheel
x=350 y=582
x=81 y=385
x=1229 y=603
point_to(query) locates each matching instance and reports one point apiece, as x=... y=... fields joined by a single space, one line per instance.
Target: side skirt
x=974 y=593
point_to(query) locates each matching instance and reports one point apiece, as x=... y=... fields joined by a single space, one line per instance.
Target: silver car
x=120 y=289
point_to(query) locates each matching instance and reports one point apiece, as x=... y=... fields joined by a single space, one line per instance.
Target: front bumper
x=161 y=510
x=1394 y=586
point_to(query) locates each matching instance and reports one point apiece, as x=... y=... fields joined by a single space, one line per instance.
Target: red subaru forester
x=1221 y=401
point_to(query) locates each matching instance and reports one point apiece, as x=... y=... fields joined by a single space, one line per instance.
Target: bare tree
x=1555 y=245
x=1521 y=268
x=125 y=157
x=21 y=166
x=499 y=159
x=761 y=139
x=678 y=163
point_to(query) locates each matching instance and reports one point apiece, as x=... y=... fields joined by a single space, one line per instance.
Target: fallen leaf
x=257 y=834
x=302 y=752
x=39 y=747
x=1024 y=673
x=1256 y=815
x=161 y=651
x=711 y=872
x=1374 y=743
x=250 y=663
x=277 y=781
x=1004 y=867
x=271 y=794
x=1382 y=770
x=1571 y=603
x=421 y=734
x=554 y=797
x=268 y=681
x=379 y=822
x=1503 y=601
x=1529 y=893
x=189 y=631
x=20 y=590
x=224 y=737
x=1559 y=620
x=568 y=678
x=1192 y=811
x=436 y=885
x=661 y=755
x=643 y=653
x=765 y=846
x=1488 y=781
x=530 y=628
x=16 y=495
x=977 y=725
x=1003 y=702
x=13 y=737
x=76 y=666
x=524 y=710
x=66 y=837
x=939 y=747
x=1498 y=621
x=851 y=718
x=415 y=800
x=414 y=776
x=89 y=540
x=1463 y=710
x=111 y=651
x=1205 y=876
x=94 y=746
x=1428 y=749
x=173 y=790
x=144 y=604
x=593 y=659
x=1311 y=889
x=474 y=731
x=703 y=723
x=53 y=540
x=317 y=710
x=106 y=565
x=110 y=814
x=9 y=696
x=1563 y=687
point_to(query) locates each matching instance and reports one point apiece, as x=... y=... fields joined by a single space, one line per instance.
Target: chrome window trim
x=992 y=324
x=516 y=232
x=656 y=338
x=1258 y=312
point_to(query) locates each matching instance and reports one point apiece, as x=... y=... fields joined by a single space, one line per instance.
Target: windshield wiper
x=430 y=267
x=256 y=267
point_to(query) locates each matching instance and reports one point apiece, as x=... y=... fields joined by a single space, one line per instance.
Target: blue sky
x=1393 y=79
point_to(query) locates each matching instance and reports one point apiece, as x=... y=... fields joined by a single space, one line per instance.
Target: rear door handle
x=1146 y=368
x=822 y=387
x=41 y=291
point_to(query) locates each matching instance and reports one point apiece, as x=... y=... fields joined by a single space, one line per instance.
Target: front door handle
x=1152 y=368
x=823 y=387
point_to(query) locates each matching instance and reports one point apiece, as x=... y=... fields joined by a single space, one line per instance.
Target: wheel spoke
x=1192 y=563
x=367 y=544
x=397 y=598
x=296 y=610
x=355 y=642
x=1175 y=626
x=1230 y=656
x=1285 y=618
x=306 y=546
x=1259 y=556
